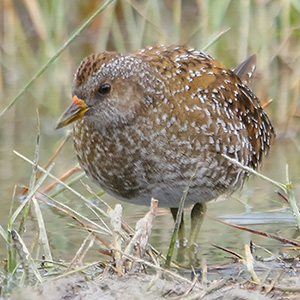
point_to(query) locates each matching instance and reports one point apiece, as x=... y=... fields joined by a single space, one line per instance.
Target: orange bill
x=74 y=112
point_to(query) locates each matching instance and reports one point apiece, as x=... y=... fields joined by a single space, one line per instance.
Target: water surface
x=257 y=205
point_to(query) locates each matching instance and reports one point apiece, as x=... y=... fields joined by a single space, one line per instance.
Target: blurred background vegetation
x=31 y=31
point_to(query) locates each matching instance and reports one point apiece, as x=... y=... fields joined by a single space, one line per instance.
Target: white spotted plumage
x=171 y=113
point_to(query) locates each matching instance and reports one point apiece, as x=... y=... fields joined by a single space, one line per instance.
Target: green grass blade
x=55 y=56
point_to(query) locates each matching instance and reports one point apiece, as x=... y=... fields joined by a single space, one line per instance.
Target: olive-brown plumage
x=147 y=122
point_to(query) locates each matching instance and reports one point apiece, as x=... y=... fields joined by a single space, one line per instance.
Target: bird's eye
x=104 y=89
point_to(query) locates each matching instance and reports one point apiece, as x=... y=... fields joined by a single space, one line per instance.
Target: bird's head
x=109 y=88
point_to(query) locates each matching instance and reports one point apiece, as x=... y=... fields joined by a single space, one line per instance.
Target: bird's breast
x=135 y=163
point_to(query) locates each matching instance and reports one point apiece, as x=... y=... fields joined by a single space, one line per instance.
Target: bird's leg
x=197 y=216
x=181 y=235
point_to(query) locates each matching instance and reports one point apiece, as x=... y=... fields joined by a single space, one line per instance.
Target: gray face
x=117 y=91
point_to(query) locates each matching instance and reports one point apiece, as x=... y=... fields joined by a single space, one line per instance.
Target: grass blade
x=55 y=56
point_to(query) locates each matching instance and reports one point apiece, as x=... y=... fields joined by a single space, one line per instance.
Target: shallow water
x=257 y=205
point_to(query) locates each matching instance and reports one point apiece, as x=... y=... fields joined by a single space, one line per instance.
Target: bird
x=152 y=122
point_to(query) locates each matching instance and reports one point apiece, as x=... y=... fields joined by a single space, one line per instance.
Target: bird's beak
x=74 y=112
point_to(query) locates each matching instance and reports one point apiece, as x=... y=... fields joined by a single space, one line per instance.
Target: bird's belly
x=136 y=176
x=201 y=188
